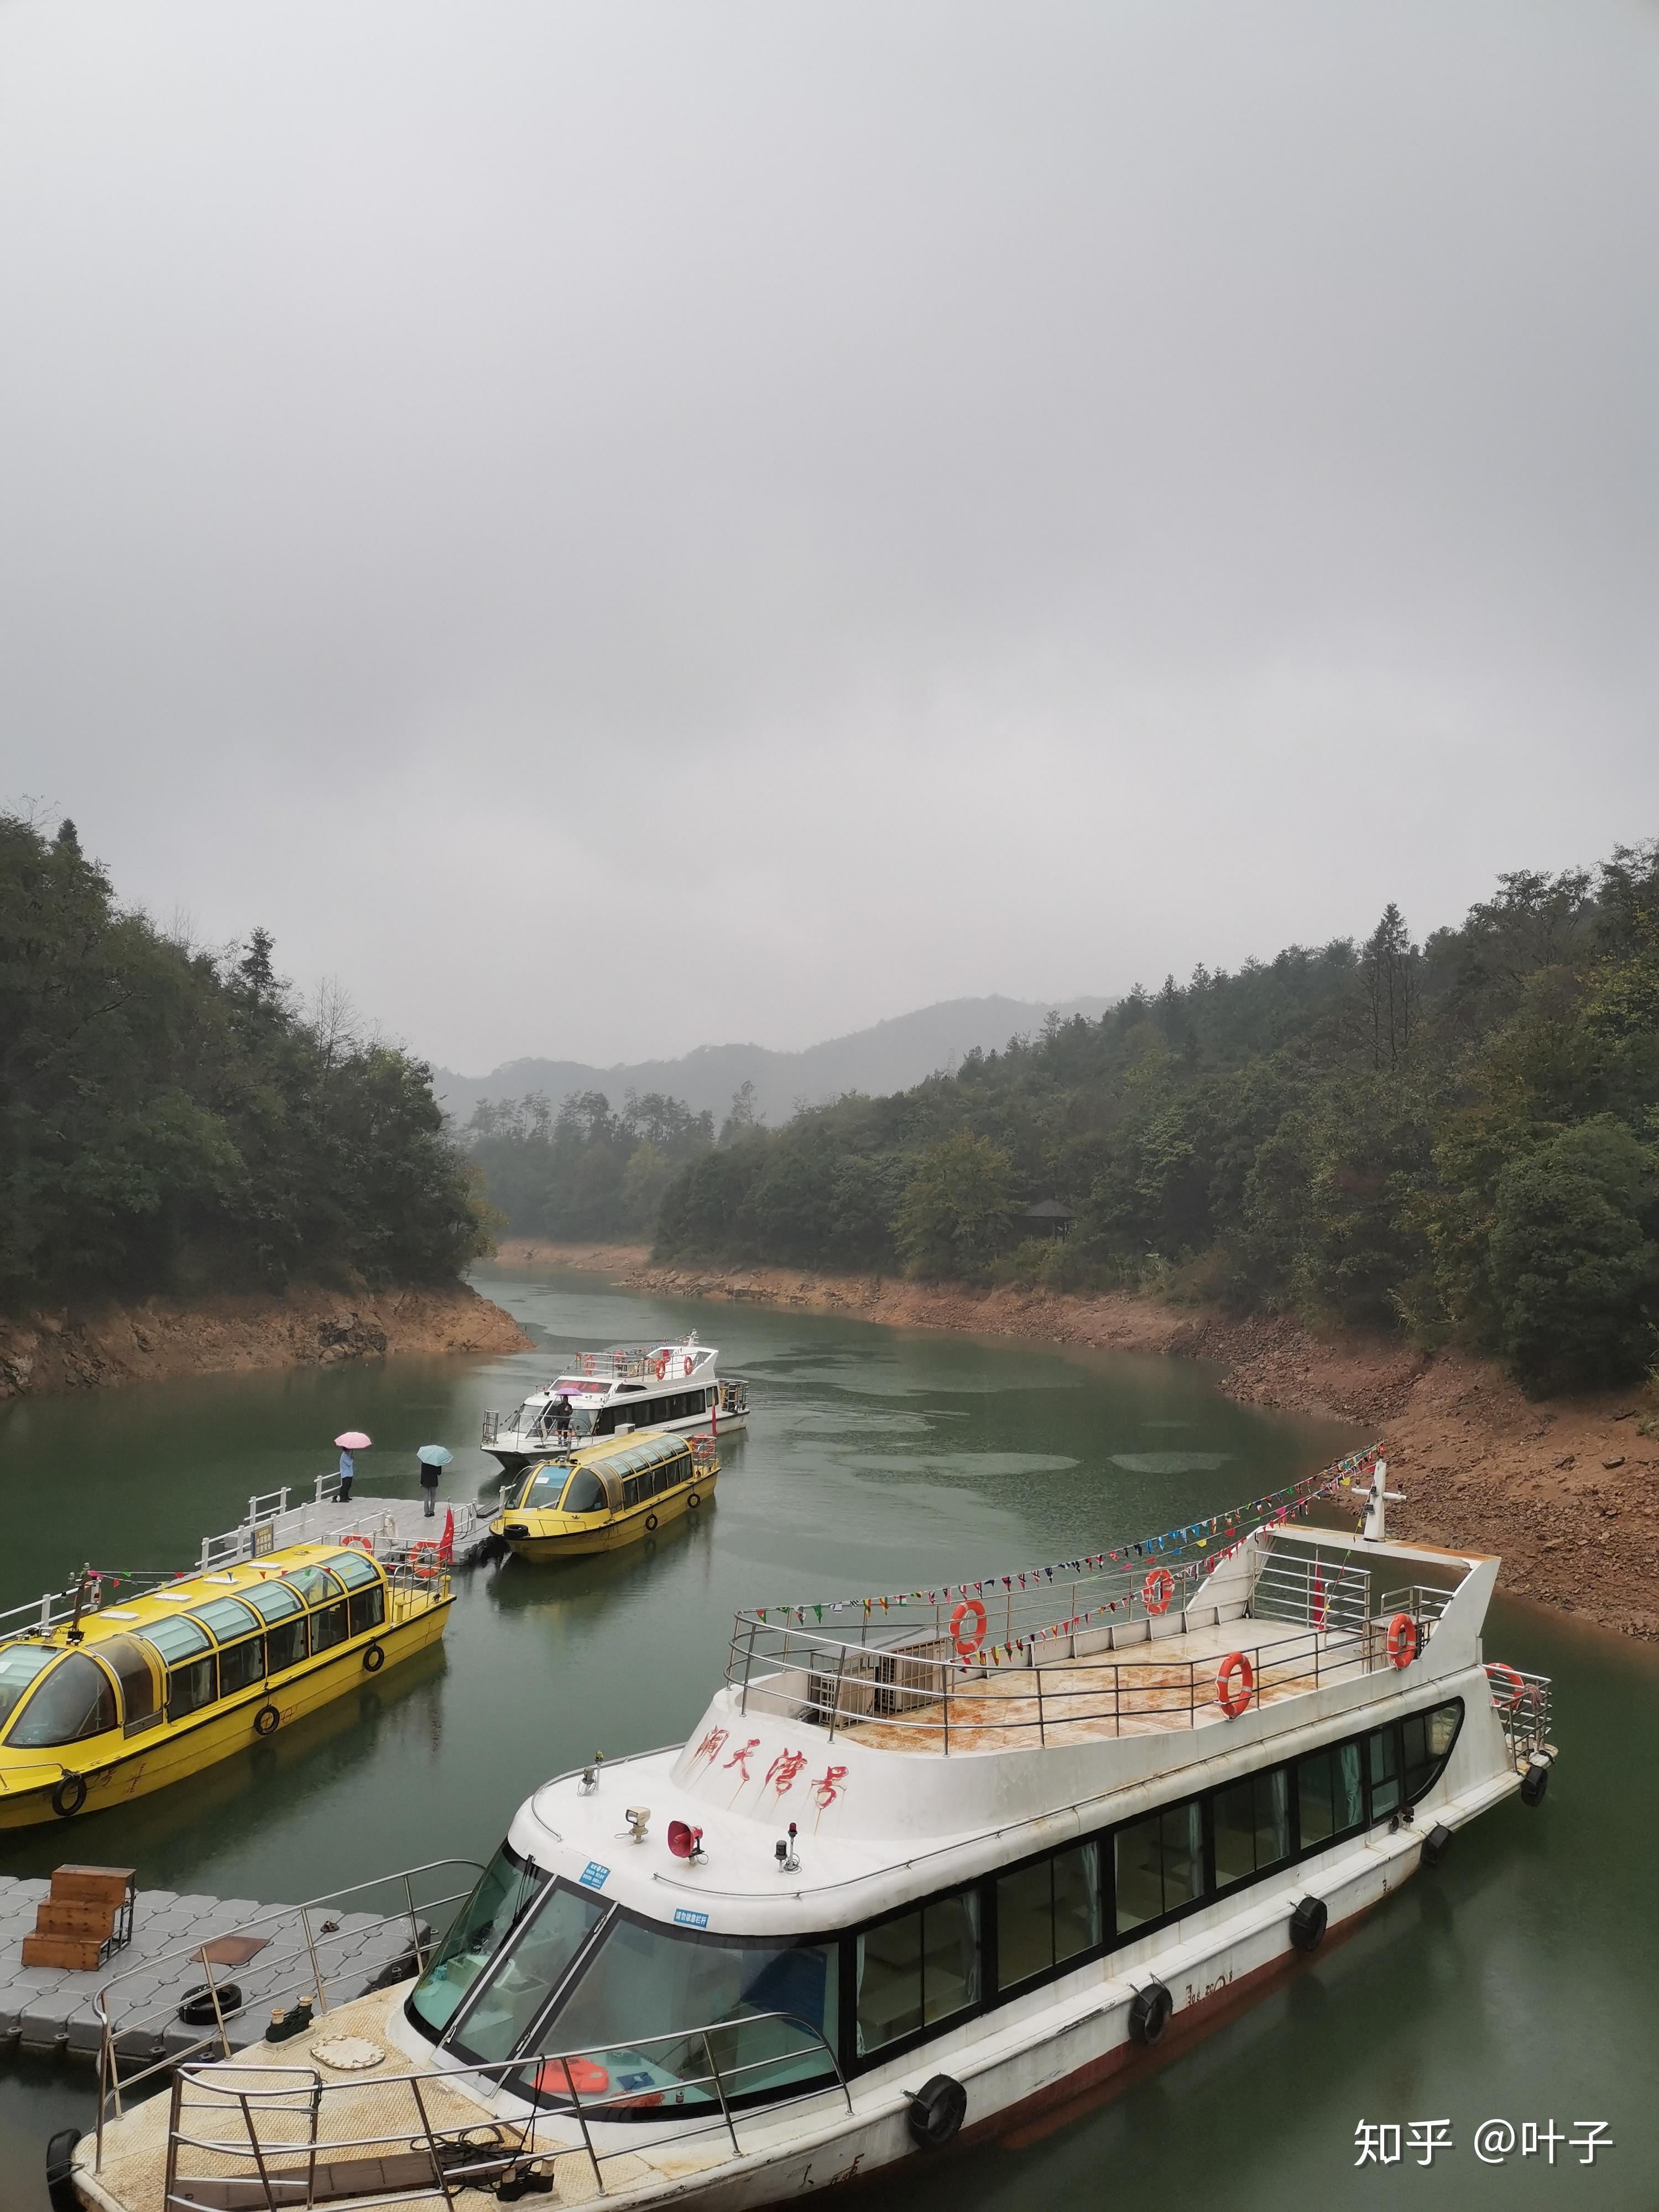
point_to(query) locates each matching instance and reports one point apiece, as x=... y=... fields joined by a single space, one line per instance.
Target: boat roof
x=129 y=1612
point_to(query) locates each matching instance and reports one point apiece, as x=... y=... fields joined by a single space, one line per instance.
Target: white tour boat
x=659 y=1386
x=927 y=1861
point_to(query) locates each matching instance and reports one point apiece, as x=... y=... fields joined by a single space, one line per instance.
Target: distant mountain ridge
x=891 y=1056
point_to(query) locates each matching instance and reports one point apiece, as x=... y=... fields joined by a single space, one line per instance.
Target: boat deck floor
x=373 y=2133
x=1144 y=1689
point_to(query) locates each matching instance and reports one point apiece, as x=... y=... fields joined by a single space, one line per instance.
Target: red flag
x=446 y=1549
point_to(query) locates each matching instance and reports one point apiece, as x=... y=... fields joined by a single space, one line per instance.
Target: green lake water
x=1519 y=1981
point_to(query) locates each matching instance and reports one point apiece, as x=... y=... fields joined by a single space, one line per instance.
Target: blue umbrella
x=434 y=1455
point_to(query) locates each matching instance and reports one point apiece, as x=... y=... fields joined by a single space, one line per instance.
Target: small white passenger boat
x=928 y=1861
x=659 y=1386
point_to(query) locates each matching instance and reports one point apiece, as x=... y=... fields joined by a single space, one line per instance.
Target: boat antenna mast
x=1377 y=1503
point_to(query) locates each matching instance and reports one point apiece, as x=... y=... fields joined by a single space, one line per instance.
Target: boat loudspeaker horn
x=686 y=1843
x=1149 y=2015
x=1308 y=1923
x=937 y=2111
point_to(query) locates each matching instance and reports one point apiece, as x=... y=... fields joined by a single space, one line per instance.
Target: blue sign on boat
x=594 y=1876
x=684 y=1919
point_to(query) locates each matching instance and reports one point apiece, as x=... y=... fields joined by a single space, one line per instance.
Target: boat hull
x=178 y=1751
x=1073 y=2048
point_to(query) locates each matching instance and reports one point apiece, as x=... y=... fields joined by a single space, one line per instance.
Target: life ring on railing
x=1517 y=1688
x=1158 y=1589
x=426 y=1561
x=587 y=1362
x=363 y=1543
x=1231 y=1702
x=662 y=1367
x=970 y=1609
x=689 y=1363
x=1404 y=1641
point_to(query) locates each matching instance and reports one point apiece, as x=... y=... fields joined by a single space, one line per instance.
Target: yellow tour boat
x=605 y=1495
x=128 y=1699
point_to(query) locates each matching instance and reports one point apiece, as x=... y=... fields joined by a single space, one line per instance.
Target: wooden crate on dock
x=88 y=1915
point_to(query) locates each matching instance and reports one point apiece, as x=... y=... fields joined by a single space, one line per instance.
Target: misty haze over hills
x=891 y=1056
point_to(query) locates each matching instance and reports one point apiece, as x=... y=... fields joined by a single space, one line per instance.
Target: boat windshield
x=655 y=2008
x=541 y=1486
x=18 y=1665
x=520 y=1986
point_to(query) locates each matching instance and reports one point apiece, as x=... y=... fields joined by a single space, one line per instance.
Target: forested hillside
x=170 y=1121
x=1458 y=1138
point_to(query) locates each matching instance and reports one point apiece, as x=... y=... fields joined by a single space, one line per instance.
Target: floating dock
x=46 y=2010
x=392 y=1525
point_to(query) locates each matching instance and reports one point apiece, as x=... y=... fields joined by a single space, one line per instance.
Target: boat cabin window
x=18 y=1665
x=366 y=1591
x=271 y=1601
x=584 y=1493
x=508 y=1886
x=75 y=1699
x=126 y=1660
x=314 y=1584
x=226 y=1617
x=1047 y=1913
x=279 y=1607
x=1251 y=1827
x=1328 y=1797
x=1427 y=1739
x=646 y=1981
x=177 y=1639
x=1383 y=1757
x=1159 y=1864
x=917 y=1969
x=354 y=1568
x=242 y=1661
x=329 y=1627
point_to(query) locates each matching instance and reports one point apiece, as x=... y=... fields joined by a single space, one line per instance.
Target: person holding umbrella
x=431 y=1458
x=350 y=1440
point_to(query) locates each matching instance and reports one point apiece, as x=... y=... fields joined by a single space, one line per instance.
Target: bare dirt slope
x=305 y=1328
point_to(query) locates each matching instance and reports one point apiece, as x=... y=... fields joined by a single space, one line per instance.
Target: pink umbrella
x=353 y=1440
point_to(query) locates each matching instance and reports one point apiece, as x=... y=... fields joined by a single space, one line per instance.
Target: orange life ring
x=662 y=1367
x=426 y=1552
x=1404 y=1641
x=364 y=1543
x=689 y=1363
x=1233 y=1703
x=969 y=1609
x=587 y=1362
x=1517 y=1687
x=1158 y=1589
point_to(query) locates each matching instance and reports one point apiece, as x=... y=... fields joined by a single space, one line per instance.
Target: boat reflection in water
x=925 y=1865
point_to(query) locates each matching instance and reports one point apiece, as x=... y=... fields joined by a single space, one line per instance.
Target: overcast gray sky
x=613 y=527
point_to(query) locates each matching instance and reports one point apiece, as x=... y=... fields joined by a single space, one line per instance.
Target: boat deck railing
x=270 y=2136
x=291 y=1952
x=1133 y=1651
x=1526 y=1707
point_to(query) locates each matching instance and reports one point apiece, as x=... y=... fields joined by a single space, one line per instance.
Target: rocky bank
x=162 y=1337
x=1564 y=1491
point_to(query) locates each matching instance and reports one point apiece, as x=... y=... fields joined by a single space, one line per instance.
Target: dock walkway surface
x=45 y=2010
x=393 y=1523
